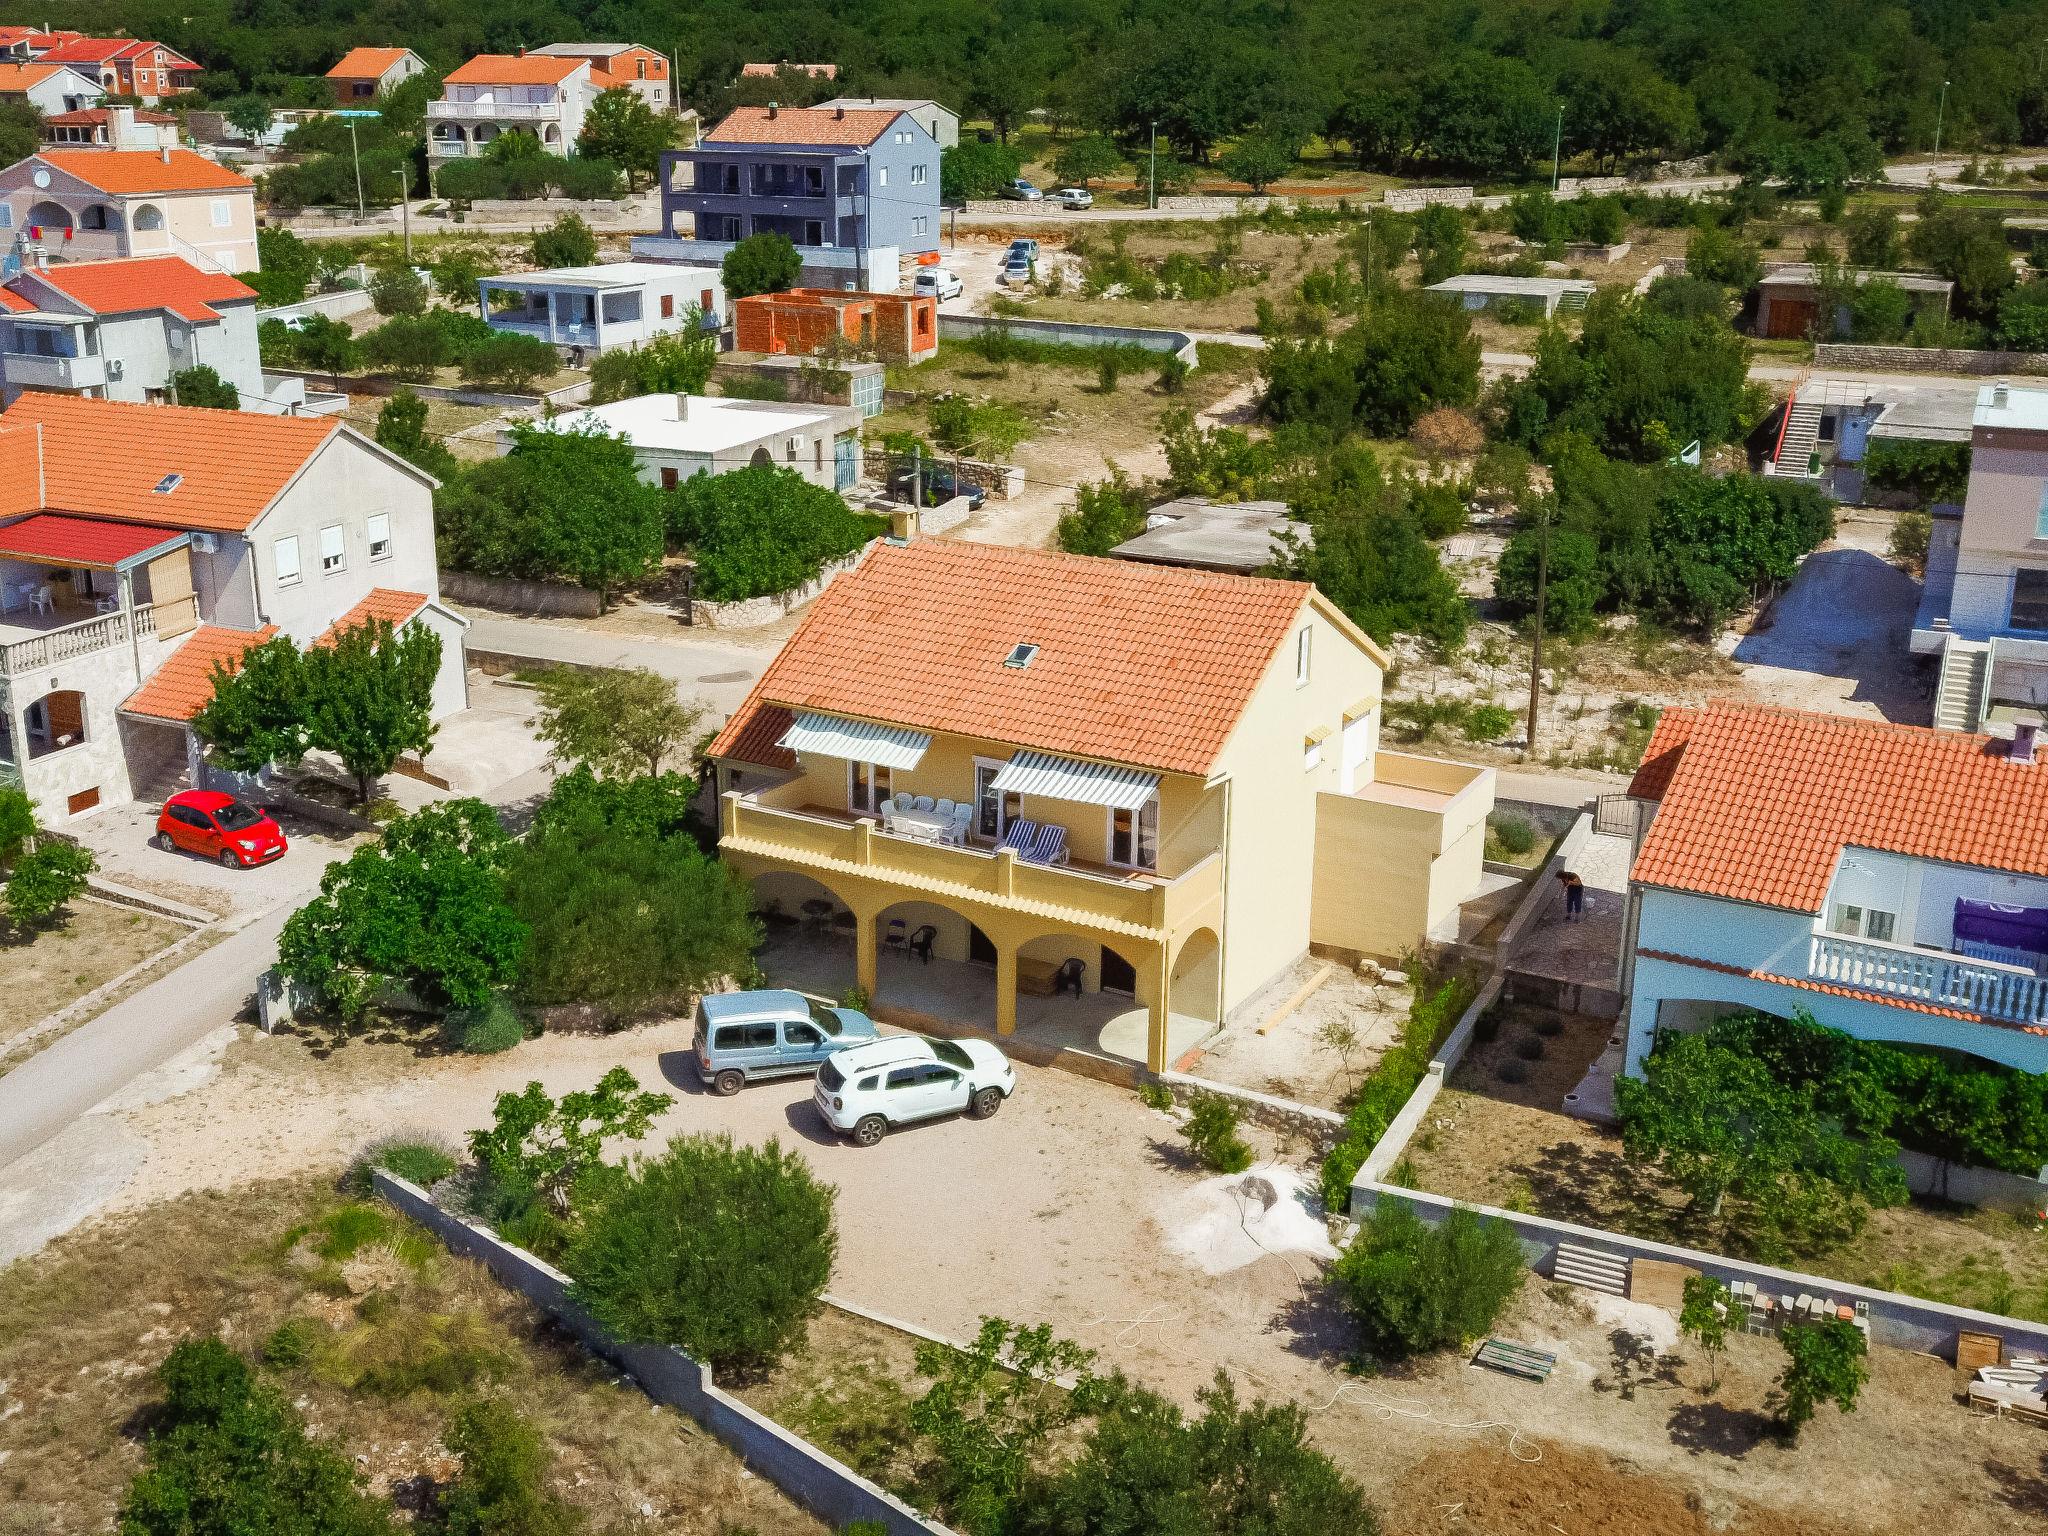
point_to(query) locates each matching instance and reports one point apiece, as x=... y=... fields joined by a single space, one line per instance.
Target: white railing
x=173 y=617
x=494 y=111
x=2011 y=993
x=45 y=370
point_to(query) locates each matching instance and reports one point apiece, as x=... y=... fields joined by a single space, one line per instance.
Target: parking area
x=119 y=839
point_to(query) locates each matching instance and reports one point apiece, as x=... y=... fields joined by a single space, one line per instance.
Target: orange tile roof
x=16 y=78
x=384 y=605
x=183 y=685
x=1660 y=757
x=514 y=69
x=1762 y=802
x=133 y=171
x=145 y=282
x=858 y=126
x=104 y=458
x=366 y=63
x=755 y=734
x=1834 y=989
x=93 y=116
x=1142 y=664
x=11 y=300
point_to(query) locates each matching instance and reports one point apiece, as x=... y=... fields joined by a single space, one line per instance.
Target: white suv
x=866 y=1090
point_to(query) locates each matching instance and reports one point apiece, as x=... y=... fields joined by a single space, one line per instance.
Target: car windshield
x=236 y=816
x=826 y=1018
x=952 y=1055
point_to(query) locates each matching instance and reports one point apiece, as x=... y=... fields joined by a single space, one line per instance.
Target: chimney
x=522 y=51
x=839 y=114
x=165 y=152
x=682 y=407
x=773 y=109
x=2000 y=395
x=2024 y=731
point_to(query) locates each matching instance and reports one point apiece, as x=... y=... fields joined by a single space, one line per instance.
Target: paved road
x=719 y=672
x=52 y=1088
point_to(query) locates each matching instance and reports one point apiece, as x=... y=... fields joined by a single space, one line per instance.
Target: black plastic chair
x=921 y=942
x=1068 y=977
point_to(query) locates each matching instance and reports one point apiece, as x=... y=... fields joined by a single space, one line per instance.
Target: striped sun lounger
x=1051 y=847
x=1019 y=838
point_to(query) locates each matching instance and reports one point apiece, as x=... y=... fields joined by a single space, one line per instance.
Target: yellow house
x=1092 y=777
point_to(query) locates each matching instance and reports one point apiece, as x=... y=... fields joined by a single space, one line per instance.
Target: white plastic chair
x=944 y=808
x=923 y=803
x=42 y=599
x=963 y=820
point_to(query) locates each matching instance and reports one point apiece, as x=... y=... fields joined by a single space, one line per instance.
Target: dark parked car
x=940 y=485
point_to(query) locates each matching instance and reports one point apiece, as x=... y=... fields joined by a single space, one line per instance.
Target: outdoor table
x=928 y=825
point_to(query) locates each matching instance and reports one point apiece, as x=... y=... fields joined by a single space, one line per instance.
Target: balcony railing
x=2011 y=993
x=495 y=111
x=164 y=620
x=43 y=370
x=1138 y=904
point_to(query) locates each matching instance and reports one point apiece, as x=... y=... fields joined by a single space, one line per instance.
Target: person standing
x=1574 y=894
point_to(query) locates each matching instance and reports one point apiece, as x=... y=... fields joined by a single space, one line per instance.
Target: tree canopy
x=761 y=530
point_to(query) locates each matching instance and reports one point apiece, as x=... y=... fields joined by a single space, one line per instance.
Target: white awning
x=1068 y=778
x=860 y=741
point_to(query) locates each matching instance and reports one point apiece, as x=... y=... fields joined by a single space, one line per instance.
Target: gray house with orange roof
x=854 y=189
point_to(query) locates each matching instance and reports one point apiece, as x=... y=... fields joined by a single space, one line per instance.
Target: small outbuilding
x=1199 y=534
x=1481 y=290
x=1788 y=299
x=675 y=437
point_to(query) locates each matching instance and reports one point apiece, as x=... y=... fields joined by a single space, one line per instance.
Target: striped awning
x=859 y=741
x=1068 y=778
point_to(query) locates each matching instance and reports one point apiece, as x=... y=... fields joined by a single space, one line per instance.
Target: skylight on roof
x=1021 y=654
x=169 y=483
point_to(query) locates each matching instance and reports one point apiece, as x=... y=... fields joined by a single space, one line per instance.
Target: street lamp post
x=1152 y=175
x=355 y=154
x=1940 y=113
x=405 y=211
x=1557 y=150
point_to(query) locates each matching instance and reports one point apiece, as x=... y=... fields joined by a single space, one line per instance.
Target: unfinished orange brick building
x=901 y=328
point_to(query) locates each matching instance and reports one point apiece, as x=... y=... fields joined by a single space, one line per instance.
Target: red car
x=217 y=826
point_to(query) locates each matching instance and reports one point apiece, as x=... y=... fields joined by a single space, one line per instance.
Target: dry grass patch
x=95 y=942
x=366 y=1323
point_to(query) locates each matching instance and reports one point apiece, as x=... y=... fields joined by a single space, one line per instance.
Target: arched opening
x=54 y=722
x=761 y=457
x=149 y=217
x=807 y=933
x=100 y=216
x=50 y=215
x=450 y=132
x=485 y=132
x=1195 y=984
x=551 y=135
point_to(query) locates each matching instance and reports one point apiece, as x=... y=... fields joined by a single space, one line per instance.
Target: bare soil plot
x=1322 y=1049
x=393 y=1332
x=91 y=945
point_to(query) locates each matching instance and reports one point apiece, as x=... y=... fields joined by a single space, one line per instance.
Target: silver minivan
x=743 y=1037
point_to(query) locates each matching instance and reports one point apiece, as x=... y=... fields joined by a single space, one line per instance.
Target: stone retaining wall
x=1065 y=333
x=554 y=599
x=754 y=612
x=1323 y=1127
x=385 y=384
x=828 y=1488
x=1829 y=354
x=1002 y=481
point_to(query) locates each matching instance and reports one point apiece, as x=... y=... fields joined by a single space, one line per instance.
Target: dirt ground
x=1307 y=1056
x=1066 y=1208
x=83 y=1325
x=89 y=947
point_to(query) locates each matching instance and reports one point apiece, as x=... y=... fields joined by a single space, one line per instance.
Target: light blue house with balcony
x=587 y=310
x=854 y=189
x=1889 y=880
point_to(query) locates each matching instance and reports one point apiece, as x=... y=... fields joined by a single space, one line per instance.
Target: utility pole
x=1557 y=150
x=405 y=211
x=1368 y=257
x=356 y=155
x=1152 y=176
x=1536 y=649
x=1940 y=113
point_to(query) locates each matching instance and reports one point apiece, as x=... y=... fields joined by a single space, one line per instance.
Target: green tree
x=287 y=267
x=1968 y=248
x=762 y=530
x=249 y=116
x=256 y=713
x=225 y=1453
x=763 y=263
x=423 y=908
x=1414 y=1287
x=568 y=242
x=327 y=345
x=201 y=386
x=17 y=823
x=1719 y=257
x=411 y=346
x=622 y=128
x=643 y=806
x=1237 y=1470
x=509 y=361
x=993 y=1410
x=1441 y=239
x=402 y=427
x=720 y=1249
x=397 y=290
x=501 y=1489
x=1378 y=568
x=1410 y=353
x=44 y=880
x=1709 y=1313
x=456 y=274
x=973 y=172
x=1086 y=161
x=1873 y=239
x=21 y=129
x=548 y=1147
x=617 y=722
x=1258 y=160
x=369 y=697
x=1575 y=585
x=1826 y=1362
x=1105 y=515
x=677 y=362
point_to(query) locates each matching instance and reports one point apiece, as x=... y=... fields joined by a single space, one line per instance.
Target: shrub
x=45 y=879
x=1488 y=722
x=764 y=263
x=397 y=290
x=720 y=1249
x=1108 y=369
x=421 y=1160
x=1825 y=1364
x=1155 y=1095
x=1211 y=1131
x=291 y=1343
x=1388 y=1086
x=203 y=387
x=501 y=1489
x=1515 y=834
x=1105 y=515
x=544 y=1148
x=983 y=429
x=411 y=346
x=1907 y=544
x=568 y=242
x=1173 y=373
x=1930 y=471
x=1445 y=433
x=761 y=530
x=487 y=1029
x=509 y=361
x=1414 y=1288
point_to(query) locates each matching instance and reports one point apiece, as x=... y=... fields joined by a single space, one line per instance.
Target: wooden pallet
x=1516 y=1359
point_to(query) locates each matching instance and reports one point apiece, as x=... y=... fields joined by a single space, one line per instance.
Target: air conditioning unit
x=116 y=368
x=204 y=543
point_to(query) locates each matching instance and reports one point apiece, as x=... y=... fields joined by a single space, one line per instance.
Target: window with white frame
x=284 y=560
x=881 y=175
x=1863 y=922
x=917 y=175
x=333 y=550
x=223 y=213
x=1134 y=836
x=867 y=786
x=378 y=525
x=1301 y=650
x=917 y=225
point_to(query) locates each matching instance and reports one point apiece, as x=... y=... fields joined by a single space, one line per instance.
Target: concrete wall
x=1928 y=360
x=553 y=598
x=756 y=612
x=2002 y=510
x=1902 y=1322
x=1387 y=874
x=338 y=305
x=1063 y=333
x=826 y=1487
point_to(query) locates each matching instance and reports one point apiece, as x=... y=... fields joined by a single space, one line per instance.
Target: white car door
x=945 y=1091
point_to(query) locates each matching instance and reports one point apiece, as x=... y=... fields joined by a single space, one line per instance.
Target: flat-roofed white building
x=596 y=308
x=677 y=436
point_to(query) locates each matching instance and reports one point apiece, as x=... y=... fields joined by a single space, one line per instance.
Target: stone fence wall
x=386 y=384
x=1829 y=354
x=1002 y=481
x=1322 y=1127
x=754 y=612
x=1065 y=333
x=551 y=599
x=828 y=1488
x=338 y=305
